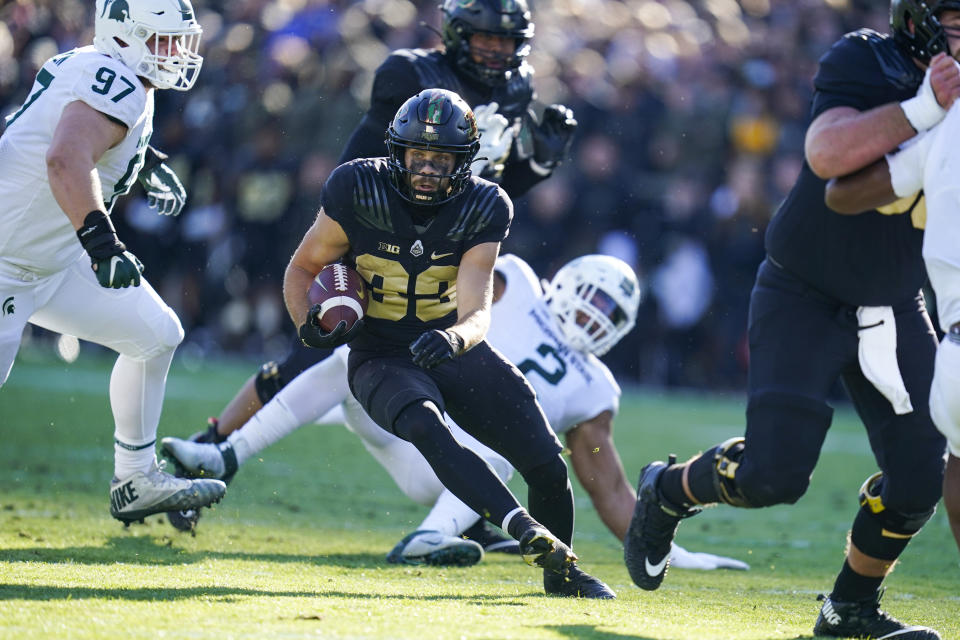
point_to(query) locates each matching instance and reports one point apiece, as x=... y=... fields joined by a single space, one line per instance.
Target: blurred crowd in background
x=691 y=121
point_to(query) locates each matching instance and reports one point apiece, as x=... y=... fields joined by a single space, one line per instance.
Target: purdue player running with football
x=67 y=154
x=486 y=43
x=425 y=234
x=554 y=338
x=837 y=297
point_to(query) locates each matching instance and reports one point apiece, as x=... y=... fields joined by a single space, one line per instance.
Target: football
x=342 y=295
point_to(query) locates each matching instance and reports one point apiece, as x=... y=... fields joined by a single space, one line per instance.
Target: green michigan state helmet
x=928 y=37
x=505 y=18
x=158 y=39
x=433 y=120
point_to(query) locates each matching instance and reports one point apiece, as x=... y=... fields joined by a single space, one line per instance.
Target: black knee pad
x=549 y=477
x=419 y=422
x=881 y=532
x=268 y=381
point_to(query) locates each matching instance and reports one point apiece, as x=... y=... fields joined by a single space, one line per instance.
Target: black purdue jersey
x=409 y=262
x=406 y=72
x=872 y=259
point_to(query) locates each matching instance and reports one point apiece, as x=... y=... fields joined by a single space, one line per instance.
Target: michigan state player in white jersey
x=76 y=144
x=554 y=337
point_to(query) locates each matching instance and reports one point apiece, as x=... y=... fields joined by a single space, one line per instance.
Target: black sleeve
x=493 y=224
x=337 y=196
x=849 y=76
x=393 y=83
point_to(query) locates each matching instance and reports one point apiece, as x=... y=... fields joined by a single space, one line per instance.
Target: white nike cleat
x=144 y=494
x=437 y=549
x=196 y=459
x=680 y=558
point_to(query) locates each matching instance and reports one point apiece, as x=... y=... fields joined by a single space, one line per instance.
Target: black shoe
x=646 y=550
x=541 y=548
x=492 y=540
x=864 y=619
x=576 y=584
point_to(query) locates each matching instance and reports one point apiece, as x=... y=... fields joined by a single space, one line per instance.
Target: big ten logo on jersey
x=915 y=205
x=432 y=291
x=389 y=248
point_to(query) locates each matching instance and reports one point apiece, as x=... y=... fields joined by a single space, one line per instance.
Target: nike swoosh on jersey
x=437 y=256
x=655 y=569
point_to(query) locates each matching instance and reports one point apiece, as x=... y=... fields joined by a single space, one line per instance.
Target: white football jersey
x=35 y=234
x=941 y=238
x=572 y=386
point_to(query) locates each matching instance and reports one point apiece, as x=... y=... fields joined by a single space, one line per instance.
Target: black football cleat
x=864 y=619
x=541 y=548
x=646 y=550
x=492 y=540
x=576 y=584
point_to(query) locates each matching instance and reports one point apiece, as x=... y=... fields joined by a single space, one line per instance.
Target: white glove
x=680 y=558
x=907 y=165
x=923 y=111
x=496 y=136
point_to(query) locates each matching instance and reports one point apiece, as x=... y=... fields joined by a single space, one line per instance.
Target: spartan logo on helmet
x=117 y=10
x=8 y=307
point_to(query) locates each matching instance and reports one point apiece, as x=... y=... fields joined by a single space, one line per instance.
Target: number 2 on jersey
x=551 y=377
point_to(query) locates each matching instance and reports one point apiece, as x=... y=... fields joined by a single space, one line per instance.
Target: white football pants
x=945 y=393
x=134 y=322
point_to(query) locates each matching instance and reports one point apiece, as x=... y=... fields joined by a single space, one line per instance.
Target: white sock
x=449 y=516
x=136 y=398
x=307 y=397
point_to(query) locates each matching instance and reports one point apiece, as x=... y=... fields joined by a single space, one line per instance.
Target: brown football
x=341 y=294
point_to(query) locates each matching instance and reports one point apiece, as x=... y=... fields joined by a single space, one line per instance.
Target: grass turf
x=296 y=550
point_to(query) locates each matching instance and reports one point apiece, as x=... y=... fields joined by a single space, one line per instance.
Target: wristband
x=923 y=111
x=98 y=237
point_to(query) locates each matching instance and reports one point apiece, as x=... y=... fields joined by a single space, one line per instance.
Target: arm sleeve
x=336 y=198
x=492 y=221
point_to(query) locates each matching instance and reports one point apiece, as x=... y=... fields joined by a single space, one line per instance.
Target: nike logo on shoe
x=654 y=570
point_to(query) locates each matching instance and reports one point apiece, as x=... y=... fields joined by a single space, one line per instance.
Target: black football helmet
x=506 y=18
x=433 y=120
x=928 y=38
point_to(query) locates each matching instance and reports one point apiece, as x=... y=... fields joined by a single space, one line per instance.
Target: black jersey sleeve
x=489 y=214
x=337 y=196
x=854 y=73
x=394 y=81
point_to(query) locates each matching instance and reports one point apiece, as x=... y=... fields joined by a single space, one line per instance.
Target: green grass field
x=296 y=550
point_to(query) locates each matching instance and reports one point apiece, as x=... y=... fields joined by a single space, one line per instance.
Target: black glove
x=313 y=336
x=165 y=192
x=115 y=266
x=434 y=347
x=553 y=136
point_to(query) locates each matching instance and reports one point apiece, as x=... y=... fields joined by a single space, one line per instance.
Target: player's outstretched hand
x=116 y=268
x=553 y=136
x=313 y=336
x=165 y=192
x=434 y=347
x=680 y=558
x=945 y=79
